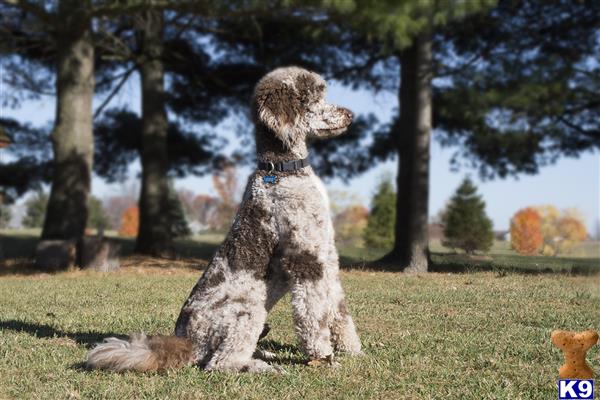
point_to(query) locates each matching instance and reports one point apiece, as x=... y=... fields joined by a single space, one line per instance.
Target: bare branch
x=114 y=92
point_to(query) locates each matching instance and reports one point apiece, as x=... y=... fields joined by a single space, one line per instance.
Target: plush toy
x=575 y=346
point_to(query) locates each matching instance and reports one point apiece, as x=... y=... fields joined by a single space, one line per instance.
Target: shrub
x=466 y=225
x=526 y=231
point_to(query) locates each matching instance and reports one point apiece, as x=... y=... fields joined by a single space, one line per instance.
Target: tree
x=67 y=45
x=379 y=232
x=407 y=29
x=206 y=211
x=35 y=210
x=5 y=215
x=466 y=225
x=549 y=216
x=130 y=222
x=97 y=217
x=520 y=87
x=176 y=214
x=526 y=231
x=350 y=223
x=153 y=237
x=225 y=182
x=115 y=207
x=571 y=231
x=561 y=231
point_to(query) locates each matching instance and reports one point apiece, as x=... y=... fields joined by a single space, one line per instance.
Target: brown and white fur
x=281 y=240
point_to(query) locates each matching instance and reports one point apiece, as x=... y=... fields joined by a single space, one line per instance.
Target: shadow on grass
x=43 y=331
x=294 y=358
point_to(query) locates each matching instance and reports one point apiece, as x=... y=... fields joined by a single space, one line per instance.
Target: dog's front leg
x=310 y=304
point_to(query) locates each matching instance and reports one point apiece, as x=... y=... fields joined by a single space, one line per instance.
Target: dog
x=281 y=240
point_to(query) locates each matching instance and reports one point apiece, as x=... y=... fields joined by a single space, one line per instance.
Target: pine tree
x=379 y=232
x=466 y=226
x=97 y=217
x=177 y=219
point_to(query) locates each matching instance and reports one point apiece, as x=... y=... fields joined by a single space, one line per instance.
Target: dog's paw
x=326 y=361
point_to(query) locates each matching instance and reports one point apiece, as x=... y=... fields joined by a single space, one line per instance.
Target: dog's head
x=290 y=102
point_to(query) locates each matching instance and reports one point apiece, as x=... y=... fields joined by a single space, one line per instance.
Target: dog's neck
x=271 y=149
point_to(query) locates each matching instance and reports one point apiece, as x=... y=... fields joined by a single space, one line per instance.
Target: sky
x=570 y=183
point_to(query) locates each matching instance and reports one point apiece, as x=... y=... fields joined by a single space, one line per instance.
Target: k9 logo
x=575 y=389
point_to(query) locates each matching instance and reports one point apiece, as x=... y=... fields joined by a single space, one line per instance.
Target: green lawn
x=480 y=335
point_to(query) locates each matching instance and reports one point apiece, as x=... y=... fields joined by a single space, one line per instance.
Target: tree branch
x=114 y=92
x=34 y=9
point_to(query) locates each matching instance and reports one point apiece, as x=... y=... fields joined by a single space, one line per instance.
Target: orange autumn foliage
x=526 y=231
x=130 y=221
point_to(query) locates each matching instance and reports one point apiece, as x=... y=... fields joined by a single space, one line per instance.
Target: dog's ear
x=279 y=109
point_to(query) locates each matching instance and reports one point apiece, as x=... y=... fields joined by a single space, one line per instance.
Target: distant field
x=585 y=258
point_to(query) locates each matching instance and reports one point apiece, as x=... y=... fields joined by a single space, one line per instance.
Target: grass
x=483 y=334
x=585 y=258
x=468 y=336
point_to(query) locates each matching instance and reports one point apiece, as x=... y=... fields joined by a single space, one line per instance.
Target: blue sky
x=570 y=183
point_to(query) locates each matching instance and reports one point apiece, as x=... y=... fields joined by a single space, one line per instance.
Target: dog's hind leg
x=244 y=319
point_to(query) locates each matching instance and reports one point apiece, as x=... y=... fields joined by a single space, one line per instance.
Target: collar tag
x=269 y=179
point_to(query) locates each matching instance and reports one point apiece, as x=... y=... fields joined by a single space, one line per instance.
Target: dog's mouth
x=334 y=120
x=334 y=131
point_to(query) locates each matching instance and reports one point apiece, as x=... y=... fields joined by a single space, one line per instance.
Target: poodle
x=281 y=240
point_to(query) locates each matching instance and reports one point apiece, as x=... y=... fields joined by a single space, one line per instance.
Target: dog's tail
x=141 y=353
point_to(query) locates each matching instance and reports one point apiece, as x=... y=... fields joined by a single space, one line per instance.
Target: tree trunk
x=410 y=252
x=154 y=236
x=72 y=140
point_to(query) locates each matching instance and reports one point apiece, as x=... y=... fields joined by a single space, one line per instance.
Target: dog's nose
x=349 y=113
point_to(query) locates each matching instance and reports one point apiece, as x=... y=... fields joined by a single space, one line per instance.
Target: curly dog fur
x=282 y=240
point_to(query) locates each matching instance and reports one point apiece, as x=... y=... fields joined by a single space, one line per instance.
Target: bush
x=379 y=232
x=526 y=231
x=466 y=226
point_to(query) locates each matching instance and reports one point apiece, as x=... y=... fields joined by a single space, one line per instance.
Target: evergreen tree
x=466 y=226
x=379 y=232
x=97 y=217
x=35 y=210
x=176 y=215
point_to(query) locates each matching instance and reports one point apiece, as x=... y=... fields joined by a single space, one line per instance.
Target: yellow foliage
x=560 y=231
